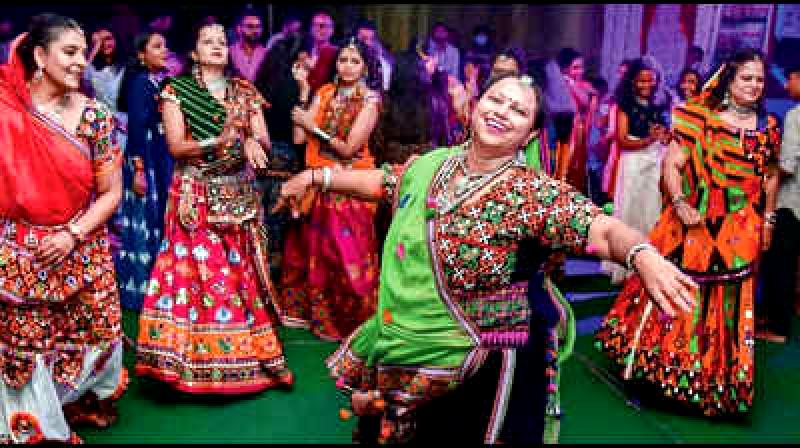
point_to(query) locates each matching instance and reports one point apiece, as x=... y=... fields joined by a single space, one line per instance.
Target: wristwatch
x=75 y=231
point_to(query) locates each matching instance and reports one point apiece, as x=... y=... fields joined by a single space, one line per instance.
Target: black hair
x=365 y=24
x=541 y=106
x=625 y=94
x=371 y=61
x=134 y=67
x=732 y=66
x=248 y=11
x=275 y=71
x=117 y=58
x=516 y=53
x=684 y=73
x=43 y=30
x=566 y=56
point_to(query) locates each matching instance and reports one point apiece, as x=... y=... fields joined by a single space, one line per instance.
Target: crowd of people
x=412 y=206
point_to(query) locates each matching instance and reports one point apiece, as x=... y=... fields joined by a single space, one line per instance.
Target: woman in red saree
x=60 y=333
x=330 y=270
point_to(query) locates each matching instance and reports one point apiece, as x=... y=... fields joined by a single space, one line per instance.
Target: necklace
x=469 y=183
x=57 y=113
x=741 y=111
x=217 y=84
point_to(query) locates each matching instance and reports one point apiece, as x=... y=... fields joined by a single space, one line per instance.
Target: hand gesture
x=300 y=71
x=292 y=191
x=55 y=248
x=688 y=215
x=303 y=118
x=255 y=154
x=672 y=290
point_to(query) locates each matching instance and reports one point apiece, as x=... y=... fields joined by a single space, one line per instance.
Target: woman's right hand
x=292 y=191
x=688 y=215
x=300 y=71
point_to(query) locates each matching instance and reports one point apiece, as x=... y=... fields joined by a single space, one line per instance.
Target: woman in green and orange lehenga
x=719 y=189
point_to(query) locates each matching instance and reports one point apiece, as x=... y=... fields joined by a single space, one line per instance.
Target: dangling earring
x=336 y=79
x=38 y=75
x=196 y=72
x=726 y=100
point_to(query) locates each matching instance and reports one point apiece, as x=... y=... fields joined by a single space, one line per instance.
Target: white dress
x=637 y=198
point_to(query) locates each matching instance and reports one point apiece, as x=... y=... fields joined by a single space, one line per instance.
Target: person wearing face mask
x=482 y=48
x=642 y=137
x=207 y=326
x=330 y=268
x=147 y=170
x=248 y=52
x=459 y=348
x=60 y=322
x=719 y=188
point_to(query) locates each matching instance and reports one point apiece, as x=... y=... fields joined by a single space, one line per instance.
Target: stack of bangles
x=326 y=178
x=633 y=251
x=324 y=136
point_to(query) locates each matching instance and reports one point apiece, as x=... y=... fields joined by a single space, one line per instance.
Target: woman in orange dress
x=719 y=196
x=330 y=270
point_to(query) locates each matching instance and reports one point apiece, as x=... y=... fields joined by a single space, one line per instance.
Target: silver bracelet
x=326 y=178
x=635 y=250
x=770 y=218
x=322 y=134
x=208 y=142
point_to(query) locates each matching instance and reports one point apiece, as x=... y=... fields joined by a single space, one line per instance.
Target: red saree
x=58 y=324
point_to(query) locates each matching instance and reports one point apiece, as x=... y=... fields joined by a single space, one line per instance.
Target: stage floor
x=595 y=409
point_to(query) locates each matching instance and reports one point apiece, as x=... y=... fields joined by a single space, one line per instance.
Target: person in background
x=60 y=320
x=642 y=136
x=106 y=67
x=779 y=266
x=276 y=83
x=164 y=24
x=321 y=52
x=247 y=52
x=147 y=170
x=439 y=47
x=368 y=34
x=719 y=179
x=599 y=142
x=572 y=132
x=330 y=267
x=207 y=325
x=688 y=85
x=482 y=47
x=6 y=35
x=292 y=24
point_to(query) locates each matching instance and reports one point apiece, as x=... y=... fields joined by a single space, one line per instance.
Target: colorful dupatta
x=46 y=174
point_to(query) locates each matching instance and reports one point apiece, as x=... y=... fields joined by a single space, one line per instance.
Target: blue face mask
x=481 y=39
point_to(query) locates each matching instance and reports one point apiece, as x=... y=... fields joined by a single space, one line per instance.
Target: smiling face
x=154 y=56
x=64 y=59
x=644 y=84
x=504 y=116
x=350 y=65
x=211 y=47
x=747 y=86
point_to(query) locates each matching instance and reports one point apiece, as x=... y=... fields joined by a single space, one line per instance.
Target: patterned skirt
x=330 y=268
x=60 y=345
x=704 y=360
x=206 y=324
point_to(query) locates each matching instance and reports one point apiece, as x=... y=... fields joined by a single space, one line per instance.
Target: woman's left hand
x=671 y=289
x=255 y=154
x=55 y=248
x=303 y=118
